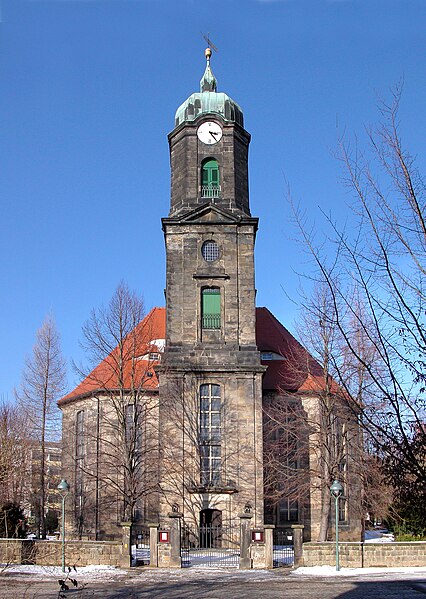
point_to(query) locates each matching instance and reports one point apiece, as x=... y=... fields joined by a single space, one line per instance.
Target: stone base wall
x=48 y=553
x=361 y=555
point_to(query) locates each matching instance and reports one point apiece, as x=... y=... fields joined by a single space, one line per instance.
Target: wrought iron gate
x=283 y=548
x=210 y=546
x=140 y=545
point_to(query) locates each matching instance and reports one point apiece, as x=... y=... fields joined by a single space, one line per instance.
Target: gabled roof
x=209 y=213
x=293 y=368
x=297 y=370
x=148 y=339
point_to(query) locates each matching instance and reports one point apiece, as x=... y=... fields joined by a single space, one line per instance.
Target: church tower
x=210 y=421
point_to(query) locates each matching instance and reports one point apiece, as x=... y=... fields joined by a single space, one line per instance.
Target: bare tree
x=124 y=459
x=43 y=381
x=312 y=435
x=14 y=453
x=382 y=262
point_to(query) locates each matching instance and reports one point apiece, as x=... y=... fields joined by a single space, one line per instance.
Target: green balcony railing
x=210 y=191
x=210 y=321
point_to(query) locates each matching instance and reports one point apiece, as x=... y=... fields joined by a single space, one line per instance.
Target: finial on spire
x=208 y=81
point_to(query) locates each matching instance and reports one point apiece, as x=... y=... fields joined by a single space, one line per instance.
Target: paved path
x=223 y=585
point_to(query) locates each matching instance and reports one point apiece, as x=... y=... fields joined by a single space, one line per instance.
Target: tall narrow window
x=210 y=308
x=288 y=511
x=79 y=457
x=210 y=435
x=210 y=183
x=133 y=435
x=132 y=460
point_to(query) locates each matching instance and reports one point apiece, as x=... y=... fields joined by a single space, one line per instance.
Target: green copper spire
x=209 y=101
x=208 y=81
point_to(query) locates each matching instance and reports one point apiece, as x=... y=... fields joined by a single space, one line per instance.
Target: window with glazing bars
x=210 y=251
x=210 y=308
x=133 y=435
x=288 y=511
x=210 y=434
x=210 y=185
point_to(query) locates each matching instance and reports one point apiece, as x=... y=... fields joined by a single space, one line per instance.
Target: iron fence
x=140 y=546
x=283 y=548
x=210 y=546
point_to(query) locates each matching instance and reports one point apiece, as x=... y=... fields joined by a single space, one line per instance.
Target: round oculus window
x=210 y=251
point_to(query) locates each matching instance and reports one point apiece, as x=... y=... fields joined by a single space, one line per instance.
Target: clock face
x=209 y=133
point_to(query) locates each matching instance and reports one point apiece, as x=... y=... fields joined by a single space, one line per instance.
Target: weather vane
x=209 y=42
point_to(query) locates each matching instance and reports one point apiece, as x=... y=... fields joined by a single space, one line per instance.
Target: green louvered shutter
x=211 y=308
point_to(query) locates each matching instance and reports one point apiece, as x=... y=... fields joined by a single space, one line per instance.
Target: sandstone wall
x=48 y=553
x=361 y=555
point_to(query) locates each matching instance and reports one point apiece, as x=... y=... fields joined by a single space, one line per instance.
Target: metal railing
x=210 y=321
x=210 y=191
x=283 y=548
x=210 y=546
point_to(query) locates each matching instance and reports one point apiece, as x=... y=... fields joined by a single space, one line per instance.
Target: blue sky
x=88 y=92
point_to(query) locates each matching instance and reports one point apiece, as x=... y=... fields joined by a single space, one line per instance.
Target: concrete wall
x=361 y=555
x=48 y=553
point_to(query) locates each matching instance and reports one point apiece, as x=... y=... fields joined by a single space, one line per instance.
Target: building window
x=210 y=308
x=288 y=511
x=210 y=183
x=342 y=465
x=343 y=516
x=210 y=435
x=133 y=435
x=210 y=251
x=79 y=457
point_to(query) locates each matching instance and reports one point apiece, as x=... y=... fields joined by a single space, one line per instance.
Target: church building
x=186 y=427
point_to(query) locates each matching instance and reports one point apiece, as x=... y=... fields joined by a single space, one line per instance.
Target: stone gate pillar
x=269 y=545
x=153 y=545
x=245 y=540
x=298 y=543
x=175 y=552
x=126 y=557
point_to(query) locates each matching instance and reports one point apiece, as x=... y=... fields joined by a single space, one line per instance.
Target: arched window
x=210 y=182
x=210 y=435
x=210 y=308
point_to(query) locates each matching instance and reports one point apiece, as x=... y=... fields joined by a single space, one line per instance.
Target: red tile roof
x=148 y=333
x=297 y=371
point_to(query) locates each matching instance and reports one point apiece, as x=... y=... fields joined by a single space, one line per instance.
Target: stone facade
x=205 y=424
x=224 y=355
x=186 y=156
x=94 y=508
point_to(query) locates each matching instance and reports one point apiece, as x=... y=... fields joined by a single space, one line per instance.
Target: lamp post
x=336 y=490
x=63 y=489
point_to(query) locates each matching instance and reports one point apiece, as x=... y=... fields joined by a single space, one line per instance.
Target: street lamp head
x=63 y=487
x=336 y=489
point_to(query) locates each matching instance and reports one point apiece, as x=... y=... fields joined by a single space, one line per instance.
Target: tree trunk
x=325 y=514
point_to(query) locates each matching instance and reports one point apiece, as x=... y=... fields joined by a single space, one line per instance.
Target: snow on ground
x=105 y=573
x=394 y=573
x=42 y=572
x=379 y=536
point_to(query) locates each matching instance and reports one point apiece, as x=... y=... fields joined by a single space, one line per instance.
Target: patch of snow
x=106 y=573
x=379 y=536
x=84 y=572
x=357 y=572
